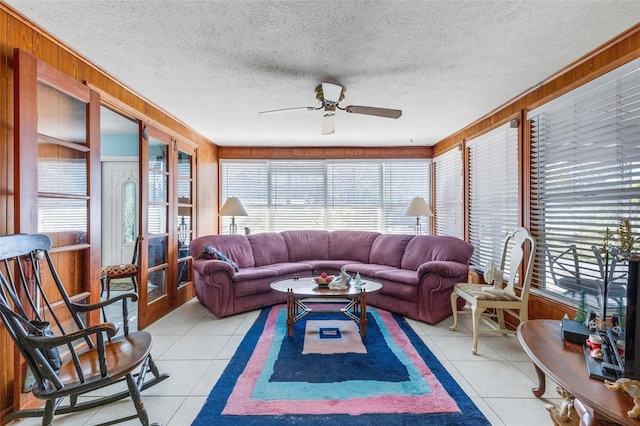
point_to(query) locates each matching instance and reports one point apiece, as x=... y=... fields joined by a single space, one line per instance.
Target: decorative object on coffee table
x=341 y=283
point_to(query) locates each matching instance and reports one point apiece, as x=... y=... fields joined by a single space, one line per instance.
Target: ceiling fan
x=329 y=95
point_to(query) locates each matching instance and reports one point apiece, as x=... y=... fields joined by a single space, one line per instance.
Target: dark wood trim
x=25 y=140
x=322 y=153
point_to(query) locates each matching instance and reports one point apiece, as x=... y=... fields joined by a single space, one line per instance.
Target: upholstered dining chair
x=123 y=270
x=491 y=301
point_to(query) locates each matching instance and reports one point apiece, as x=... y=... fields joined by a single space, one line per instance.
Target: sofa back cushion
x=351 y=245
x=268 y=248
x=388 y=249
x=235 y=247
x=425 y=248
x=307 y=245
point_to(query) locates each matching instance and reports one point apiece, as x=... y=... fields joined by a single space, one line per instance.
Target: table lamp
x=233 y=207
x=418 y=207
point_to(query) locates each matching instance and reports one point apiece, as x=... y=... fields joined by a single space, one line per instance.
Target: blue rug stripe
x=217 y=399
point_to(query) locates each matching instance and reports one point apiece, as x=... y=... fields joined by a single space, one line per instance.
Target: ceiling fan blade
x=329 y=123
x=290 y=109
x=379 y=112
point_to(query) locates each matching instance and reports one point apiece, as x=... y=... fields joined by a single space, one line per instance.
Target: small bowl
x=595 y=339
x=317 y=280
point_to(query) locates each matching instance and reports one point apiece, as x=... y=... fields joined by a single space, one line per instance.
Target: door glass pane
x=184 y=271
x=157 y=219
x=60 y=116
x=185 y=216
x=156 y=285
x=157 y=155
x=157 y=187
x=61 y=215
x=61 y=169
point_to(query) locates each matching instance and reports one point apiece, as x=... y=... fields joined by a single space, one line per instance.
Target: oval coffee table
x=303 y=288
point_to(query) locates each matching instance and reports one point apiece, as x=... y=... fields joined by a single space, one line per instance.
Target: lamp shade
x=418 y=207
x=233 y=207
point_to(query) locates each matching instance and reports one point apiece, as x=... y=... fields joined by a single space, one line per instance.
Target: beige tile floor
x=194 y=346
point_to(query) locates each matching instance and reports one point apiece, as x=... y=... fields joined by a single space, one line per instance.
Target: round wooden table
x=304 y=288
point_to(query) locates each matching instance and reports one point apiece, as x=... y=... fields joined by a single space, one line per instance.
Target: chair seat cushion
x=118 y=270
x=480 y=292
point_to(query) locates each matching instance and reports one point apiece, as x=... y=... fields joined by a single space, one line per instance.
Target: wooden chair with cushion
x=124 y=270
x=71 y=359
x=491 y=301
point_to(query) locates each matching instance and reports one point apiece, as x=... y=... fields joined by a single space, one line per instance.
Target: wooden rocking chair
x=72 y=359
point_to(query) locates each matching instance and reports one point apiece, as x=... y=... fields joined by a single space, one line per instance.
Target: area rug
x=327 y=373
x=121 y=284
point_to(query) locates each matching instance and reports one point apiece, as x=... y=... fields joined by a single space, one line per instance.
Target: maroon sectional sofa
x=417 y=272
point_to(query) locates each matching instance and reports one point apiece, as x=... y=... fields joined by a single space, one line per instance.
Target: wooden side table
x=564 y=362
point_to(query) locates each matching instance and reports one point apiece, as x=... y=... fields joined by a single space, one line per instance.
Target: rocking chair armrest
x=86 y=307
x=46 y=342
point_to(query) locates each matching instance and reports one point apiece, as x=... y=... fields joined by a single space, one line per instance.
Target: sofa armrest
x=446 y=269
x=208 y=267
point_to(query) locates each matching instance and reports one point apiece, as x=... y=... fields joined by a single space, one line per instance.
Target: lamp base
x=233 y=228
x=417 y=227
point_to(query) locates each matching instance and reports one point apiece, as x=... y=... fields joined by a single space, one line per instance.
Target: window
x=449 y=220
x=129 y=209
x=324 y=194
x=585 y=169
x=493 y=192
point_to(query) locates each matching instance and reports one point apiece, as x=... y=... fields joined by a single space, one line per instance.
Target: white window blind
x=493 y=193
x=248 y=180
x=324 y=194
x=585 y=168
x=448 y=167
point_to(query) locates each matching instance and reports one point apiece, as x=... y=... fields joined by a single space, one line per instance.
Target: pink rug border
x=240 y=402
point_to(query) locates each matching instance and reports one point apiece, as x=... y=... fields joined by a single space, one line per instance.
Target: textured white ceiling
x=215 y=64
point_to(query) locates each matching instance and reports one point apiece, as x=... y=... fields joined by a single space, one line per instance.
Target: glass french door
x=156 y=175
x=185 y=186
x=167 y=184
x=57 y=180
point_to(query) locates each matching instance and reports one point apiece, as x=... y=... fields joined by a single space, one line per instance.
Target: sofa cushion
x=424 y=248
x=287 y=270
x=213 y=253
x=235 y=247
x=405 y=276
x=268 y=248
x=388 y=249
x=306 y=245
x=366 y=269
x=248 y=274
x=351 y=245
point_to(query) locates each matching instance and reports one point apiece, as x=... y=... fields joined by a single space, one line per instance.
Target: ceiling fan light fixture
x=329 y=93
x=328 y=123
